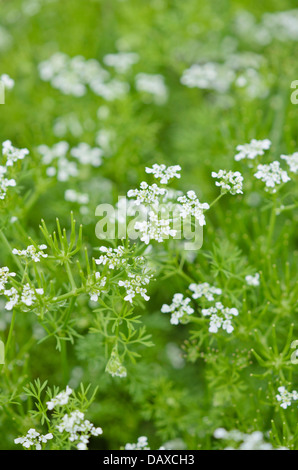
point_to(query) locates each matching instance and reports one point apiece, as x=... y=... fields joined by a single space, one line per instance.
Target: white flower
x=285 y=398
x=242 y=441
x=141 y=444
x=209 y=76
x=147 y=194
x=204 y=289
x=87 y=155
x=155 y=228
x=164 y=173
x=72 y=195
x=61 y=399
x=4 y=182
x=13 y=154
x=253 y=149
x=96 y=289
x=192 y=206
x=58 y=150
x=28 y=296
x=78 y=429
x=7 y=81
x=122 y=61
x=220 y=317
x=292 y=161
x=230 y=181
x=153 y=85
x=253 y=280
x=113 y=257
x=179 y=309
x=135 y=285
x=33 y=438
x=4 y=277
x=32 y=252
x=13 y=298
x=272 y=175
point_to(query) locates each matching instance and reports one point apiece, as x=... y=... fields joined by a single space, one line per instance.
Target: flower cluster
x=239 y=70
x=252 y=150
x=32 y=252
x=113 y=257
x=179 y=309
x=230 y=181
x=155 y=228
x=96 y=289
x=285 y=398
x=78 y=428
x=27 y=296
x=147 y=194
x=272 y=175
x=121 y=61
x=33 y=439
x=204 y=290
x=292 y=161
x=209 y=76
x=253 y=280
x=191 y=206
x=243 y=441
x=87 y=155
x=163 y=173
x=141 y=444
x=220 y=317
x=5 y=183
x=153 y=86
x=5 y=274
x=72 y=76
x=58 y=163
x=11 y=154
x=7 y=81
x=135 y=285
x=72 y=195
x=60 y=400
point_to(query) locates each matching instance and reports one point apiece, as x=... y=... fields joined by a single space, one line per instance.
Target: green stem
x=215 y=200
x=271 y=225
x=10 y=332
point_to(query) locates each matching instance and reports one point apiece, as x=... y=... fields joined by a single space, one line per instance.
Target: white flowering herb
x=292 y=161
x=33 y=439
x=253 y=279
x=163 y=173
x=272 y=175
x=31 y=252
x=153 y=86
x=229 y=181
x=7 y=81
x=285 y=398
x=179 y=309
x=220 y=317
x=64 y=415
x=190 y=205
x=141 y=444
x=252 y=150
x=61 y=399
x=204 y=290
x=244 y=441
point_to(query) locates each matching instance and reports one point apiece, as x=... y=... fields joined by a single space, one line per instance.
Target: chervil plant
x=148 y=214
